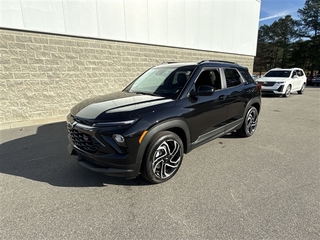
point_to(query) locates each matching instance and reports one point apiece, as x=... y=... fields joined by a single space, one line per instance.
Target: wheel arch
x=257 y=106
x=255 y=102
x=176 y=126
x=181 y=133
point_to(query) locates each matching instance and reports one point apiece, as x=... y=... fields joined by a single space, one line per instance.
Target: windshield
x=161 y=81
x=278 y=73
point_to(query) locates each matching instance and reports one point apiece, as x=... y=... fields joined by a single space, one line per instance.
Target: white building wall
x=228 y=26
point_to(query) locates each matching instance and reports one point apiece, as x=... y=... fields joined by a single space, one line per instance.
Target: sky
x=272 y=10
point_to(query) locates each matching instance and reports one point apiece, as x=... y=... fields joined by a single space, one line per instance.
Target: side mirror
x=203 y=90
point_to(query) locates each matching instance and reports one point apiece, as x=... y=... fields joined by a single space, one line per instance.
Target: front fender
x=176 y=124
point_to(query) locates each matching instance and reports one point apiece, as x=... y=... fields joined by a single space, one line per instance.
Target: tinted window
x=246 y=76
x=295 y=73
x=232 y=77
x=209 y=77
x=300 y=73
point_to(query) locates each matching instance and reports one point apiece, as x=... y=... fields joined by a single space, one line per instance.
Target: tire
x=250 y=123
x=287 y=92
x=163 y=157
x=302 y=88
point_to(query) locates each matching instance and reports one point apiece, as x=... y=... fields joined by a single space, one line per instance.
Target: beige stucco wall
x=43 y=75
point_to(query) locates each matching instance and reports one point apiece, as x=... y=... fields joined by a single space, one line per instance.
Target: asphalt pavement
x=263 y=187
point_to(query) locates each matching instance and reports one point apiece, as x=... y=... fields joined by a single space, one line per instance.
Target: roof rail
x=203 y=61
x=167 y=62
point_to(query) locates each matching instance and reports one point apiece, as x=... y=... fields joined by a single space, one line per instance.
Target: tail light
x=259 y=86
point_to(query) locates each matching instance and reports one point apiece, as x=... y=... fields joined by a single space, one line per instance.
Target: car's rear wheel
x=163 y=157
x=250 y=123
x=287 y=92
x=302 y=88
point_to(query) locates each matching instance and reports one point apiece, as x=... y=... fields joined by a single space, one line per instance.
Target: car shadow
x=232 y=134
x=44 y=157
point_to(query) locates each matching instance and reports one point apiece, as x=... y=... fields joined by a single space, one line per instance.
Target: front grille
x=84 y=141
x=267 y=84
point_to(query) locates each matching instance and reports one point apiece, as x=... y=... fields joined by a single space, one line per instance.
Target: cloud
x=277 y=15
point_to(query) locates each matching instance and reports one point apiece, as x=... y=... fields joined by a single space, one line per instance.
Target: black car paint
x=187 y=116
x=116 y=106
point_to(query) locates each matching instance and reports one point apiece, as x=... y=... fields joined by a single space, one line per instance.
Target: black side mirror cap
x=203 y=90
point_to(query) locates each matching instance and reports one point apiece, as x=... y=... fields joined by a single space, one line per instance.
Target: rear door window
x=246 y=76
x=232 y=77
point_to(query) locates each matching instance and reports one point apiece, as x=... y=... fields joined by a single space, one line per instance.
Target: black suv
x=167 y=111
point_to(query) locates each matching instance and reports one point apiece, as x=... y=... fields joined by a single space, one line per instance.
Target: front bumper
x=271 y=91
x=276 y=90
x=96 y=150
x=127 y=171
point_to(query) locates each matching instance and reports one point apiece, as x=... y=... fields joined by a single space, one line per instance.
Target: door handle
x=222 y=97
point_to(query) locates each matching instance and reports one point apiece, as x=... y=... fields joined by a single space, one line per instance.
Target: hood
x=272 y=79
x=117 y=106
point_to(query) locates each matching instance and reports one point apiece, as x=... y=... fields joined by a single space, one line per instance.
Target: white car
x=282 y=82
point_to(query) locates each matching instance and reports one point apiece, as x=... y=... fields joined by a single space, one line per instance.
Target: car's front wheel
x=302 y=88
x=250 y=123
x=287 y=92
x=163 y=157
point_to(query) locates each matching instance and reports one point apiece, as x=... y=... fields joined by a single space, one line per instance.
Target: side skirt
x=207 y=137
x=235 y=125
x=221 y=131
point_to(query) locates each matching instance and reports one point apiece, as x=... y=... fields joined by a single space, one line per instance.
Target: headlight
x=280 y=82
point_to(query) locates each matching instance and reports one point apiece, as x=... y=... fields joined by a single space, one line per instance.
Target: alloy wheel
x=288 y=91
x=166 y=159
x=302 y=88
x=252 y=120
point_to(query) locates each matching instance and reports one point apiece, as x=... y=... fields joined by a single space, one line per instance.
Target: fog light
x=118 y=138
